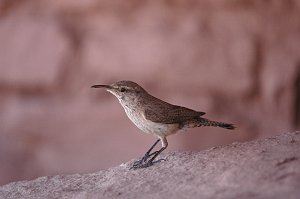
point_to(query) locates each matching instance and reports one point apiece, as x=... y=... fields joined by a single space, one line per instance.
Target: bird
x=155 y=116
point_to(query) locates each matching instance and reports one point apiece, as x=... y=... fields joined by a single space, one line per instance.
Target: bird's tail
x=205 y=122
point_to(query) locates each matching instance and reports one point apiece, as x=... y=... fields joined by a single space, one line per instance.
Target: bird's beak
x=108 y=87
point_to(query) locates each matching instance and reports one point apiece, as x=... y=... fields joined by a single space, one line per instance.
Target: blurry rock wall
x=238 y=61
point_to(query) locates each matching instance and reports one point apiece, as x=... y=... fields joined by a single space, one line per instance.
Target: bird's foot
x=143 y=164
x=140 y=162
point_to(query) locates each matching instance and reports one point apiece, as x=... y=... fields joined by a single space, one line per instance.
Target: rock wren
x=155 y=116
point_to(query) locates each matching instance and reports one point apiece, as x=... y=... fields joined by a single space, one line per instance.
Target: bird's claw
x=142 y=163
x=138 y=163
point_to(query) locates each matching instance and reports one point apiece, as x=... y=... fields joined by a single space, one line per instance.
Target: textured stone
x=266 y=168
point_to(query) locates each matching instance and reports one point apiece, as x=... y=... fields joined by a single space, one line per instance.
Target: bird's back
x=159 y=111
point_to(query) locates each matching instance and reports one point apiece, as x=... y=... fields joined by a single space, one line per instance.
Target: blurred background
x=236 y=60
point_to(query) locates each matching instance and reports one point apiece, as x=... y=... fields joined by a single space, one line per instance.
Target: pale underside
x=157 y=129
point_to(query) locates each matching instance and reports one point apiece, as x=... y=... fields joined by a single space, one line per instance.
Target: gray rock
x=267 y=168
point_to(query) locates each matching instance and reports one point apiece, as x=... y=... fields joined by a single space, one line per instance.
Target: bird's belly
x=148 y=126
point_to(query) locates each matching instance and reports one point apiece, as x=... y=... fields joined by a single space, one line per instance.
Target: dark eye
x=123 y=90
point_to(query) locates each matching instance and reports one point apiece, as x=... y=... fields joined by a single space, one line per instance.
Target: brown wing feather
x=169 y=114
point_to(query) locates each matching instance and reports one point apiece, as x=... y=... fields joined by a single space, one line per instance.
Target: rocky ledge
x=267 y=168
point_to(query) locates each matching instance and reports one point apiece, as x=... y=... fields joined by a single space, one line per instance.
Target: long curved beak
x=102 y=86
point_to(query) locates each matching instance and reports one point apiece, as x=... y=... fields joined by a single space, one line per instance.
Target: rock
x=267 y=168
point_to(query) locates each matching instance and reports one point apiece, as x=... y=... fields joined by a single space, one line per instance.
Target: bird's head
x=124 y=90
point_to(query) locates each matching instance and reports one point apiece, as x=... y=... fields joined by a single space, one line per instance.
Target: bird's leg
x=156 y=153
x=145 y=157
x=142 y=163
x=147 y=154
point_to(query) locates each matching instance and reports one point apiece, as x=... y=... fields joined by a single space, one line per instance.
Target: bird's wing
x=170 y=114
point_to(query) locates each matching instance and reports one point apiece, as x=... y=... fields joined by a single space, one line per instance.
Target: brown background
x=239 y=61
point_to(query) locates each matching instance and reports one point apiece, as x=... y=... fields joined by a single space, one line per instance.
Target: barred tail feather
x=206 y=122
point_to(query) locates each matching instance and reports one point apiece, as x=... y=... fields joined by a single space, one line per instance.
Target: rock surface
x=267 y=168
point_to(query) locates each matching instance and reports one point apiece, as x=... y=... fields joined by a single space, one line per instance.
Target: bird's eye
x=123 y=90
